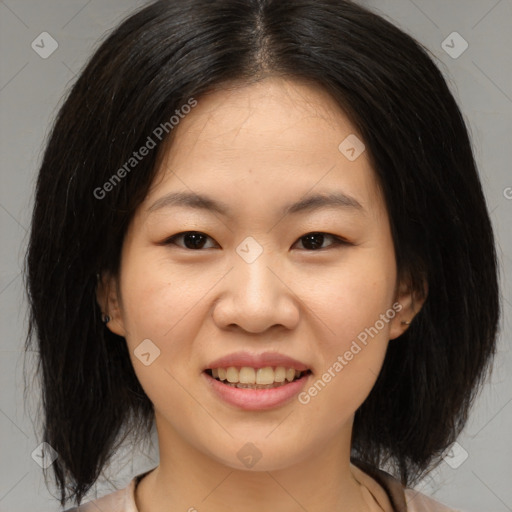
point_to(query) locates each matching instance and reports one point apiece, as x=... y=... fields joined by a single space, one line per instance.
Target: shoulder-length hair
x=147 y=69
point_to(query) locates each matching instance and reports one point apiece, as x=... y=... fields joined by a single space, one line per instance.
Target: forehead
x=249 y=116
x=263 y=143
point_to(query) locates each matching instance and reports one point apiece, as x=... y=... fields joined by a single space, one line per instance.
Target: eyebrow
x=308 y=203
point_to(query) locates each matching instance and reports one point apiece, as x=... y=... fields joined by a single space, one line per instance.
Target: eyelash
x=337 y=241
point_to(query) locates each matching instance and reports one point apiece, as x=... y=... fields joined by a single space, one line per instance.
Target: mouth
x=247 y=377
x=256 y=382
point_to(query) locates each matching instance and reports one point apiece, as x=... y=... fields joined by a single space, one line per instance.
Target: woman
x=259 y=223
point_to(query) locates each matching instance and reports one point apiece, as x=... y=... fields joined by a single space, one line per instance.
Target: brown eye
x=192 y=240
x=314 y=241
x=195 y=240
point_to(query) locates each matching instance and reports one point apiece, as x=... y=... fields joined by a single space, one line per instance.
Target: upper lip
x=240 y=359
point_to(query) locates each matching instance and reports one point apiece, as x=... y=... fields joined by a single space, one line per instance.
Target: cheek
x=353 y=298
x=355 y=306
x=162 y=305
x=159 y=300
x=353 y=346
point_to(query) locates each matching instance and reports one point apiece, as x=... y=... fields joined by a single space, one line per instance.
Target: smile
x=247 y=377
x=246 y=391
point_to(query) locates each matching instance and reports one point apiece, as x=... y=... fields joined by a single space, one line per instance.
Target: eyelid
x=170 y=240
x=336 y=240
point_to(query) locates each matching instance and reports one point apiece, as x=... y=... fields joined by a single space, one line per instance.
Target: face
x=259 y=281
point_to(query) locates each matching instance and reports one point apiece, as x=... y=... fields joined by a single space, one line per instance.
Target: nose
x=256 y=296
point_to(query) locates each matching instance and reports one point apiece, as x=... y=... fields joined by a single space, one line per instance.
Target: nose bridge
x=255 y=296
x=255 y=283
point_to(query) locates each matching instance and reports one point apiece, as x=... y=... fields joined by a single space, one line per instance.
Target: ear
x=409 y=302
x=108 y=298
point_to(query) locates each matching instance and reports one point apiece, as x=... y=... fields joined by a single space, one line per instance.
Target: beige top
x=388 y=495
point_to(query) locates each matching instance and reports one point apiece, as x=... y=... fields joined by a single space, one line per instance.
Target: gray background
x=31 y=90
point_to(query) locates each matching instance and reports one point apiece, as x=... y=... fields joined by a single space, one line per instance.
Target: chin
x=260 y=455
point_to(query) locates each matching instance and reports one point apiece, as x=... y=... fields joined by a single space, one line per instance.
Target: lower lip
x=256 y=399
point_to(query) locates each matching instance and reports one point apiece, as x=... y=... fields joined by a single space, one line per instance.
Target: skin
x=257 y=148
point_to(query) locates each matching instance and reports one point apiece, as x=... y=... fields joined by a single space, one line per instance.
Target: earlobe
x=410 y=301
x=107 y=296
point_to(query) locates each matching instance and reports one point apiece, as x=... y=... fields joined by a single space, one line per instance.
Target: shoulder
x=117 y=501
x=418 y=502
x=401 y=499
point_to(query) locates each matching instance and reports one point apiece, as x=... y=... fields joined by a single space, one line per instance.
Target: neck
x=190 y=480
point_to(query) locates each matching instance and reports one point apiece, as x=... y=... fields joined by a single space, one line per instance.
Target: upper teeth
x=248 y=375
